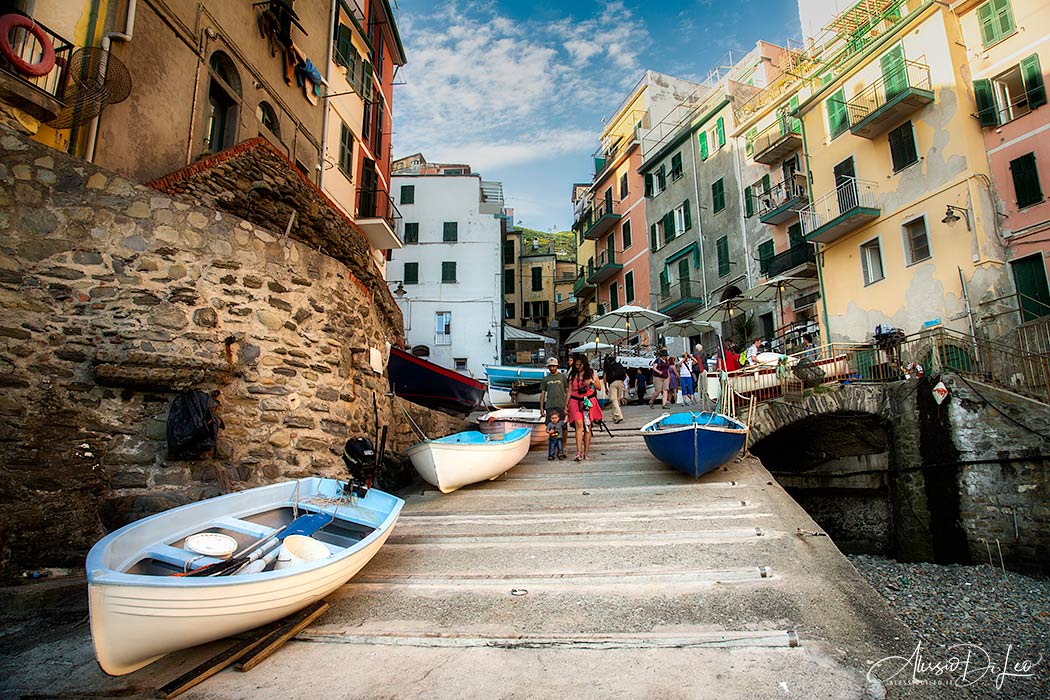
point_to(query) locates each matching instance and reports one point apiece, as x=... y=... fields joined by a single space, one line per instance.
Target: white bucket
x=297 y=550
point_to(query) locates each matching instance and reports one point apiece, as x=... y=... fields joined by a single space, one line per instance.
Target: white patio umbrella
x=775 y=288
x=630 y=318
x=597 y=334
x=686 y=328
x=592 y=347
x=725 y=311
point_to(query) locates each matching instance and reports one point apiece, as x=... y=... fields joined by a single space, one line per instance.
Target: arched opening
x=268 y=118
x=224 y=98
x=730 y=292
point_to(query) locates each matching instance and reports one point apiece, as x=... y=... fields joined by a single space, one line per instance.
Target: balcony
x=841 y=211
x=777 y=141
x=782 y=202
x=602 y=267
x=800 y=261
x=582 y=287
x=378 y=217
x=597 y=220
x=677 y=299
x=40 y=96
x=888 y=100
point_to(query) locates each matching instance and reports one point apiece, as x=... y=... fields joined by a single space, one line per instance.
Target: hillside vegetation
x=564 y=241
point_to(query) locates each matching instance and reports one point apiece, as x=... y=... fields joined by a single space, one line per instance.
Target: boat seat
x=244 y=527
x=176 y=556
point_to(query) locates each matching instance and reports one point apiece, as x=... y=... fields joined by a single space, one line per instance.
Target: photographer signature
x=966 y=665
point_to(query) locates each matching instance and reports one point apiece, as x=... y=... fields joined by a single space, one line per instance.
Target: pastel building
x=1008 y=48
x=449 y=275
x=900 y=206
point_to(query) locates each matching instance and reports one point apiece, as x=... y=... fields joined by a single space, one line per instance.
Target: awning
x=512 y=333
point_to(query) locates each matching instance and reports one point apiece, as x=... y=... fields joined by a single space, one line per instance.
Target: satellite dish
x=96 y=79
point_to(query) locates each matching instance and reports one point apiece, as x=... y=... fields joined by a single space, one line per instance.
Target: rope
x=415 y=426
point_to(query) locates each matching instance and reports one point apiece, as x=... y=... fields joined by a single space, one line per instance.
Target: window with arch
x=268 y=118
x=224 y=98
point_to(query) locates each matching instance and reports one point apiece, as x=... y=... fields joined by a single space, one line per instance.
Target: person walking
x=672 y=380
x=661 y=371
x=700 y=371
x=686 y=378
x=583 y=407
x=615 y=375
x=554 y=395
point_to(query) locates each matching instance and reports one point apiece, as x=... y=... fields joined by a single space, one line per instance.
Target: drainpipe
x=699 y=225
x=327 y=105
x=107 y=40
x=819 y=257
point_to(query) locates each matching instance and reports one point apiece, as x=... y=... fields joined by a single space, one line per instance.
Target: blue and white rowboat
x=694 y=443
x=141 y=610
x=468 y=457
x=507 y=375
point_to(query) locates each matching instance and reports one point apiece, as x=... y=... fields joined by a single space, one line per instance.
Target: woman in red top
x=728 y=359
x=583 y=390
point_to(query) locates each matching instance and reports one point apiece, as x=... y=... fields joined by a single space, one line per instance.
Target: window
x=625 y=235
x=682 y=218
x=268 y=118
x=718 y=195
x=667 y=223
x=450 y=232
x=443 y=328
x=757 y=197
x=916 y=242
x=628 y=287
x=765 y=253
x=448 y=272
x=871 y=262
x=703 y=145
x=654 y=240
x=345 y=54
x=676 y=166
x=661 y=181
x=408 y=194
x=902 y=146
x=411 y=273
x=460 y=364
x=508 y=281
x=346 y=151
x=508 y=252
x=722 y=245
x=1026 y=181
x=537 y=279
x=838 y=118
x=623 y=186
x=996 y=20
x=614 y=296
x=1011 y=94
x=224 y=96
x=508 y=310
x=411 y=232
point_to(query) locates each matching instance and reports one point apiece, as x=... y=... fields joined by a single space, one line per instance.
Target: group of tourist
x=571 y=398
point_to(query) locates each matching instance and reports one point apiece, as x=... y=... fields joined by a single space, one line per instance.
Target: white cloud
x=486 y=89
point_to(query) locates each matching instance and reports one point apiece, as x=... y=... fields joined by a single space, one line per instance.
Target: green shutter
x=661 y=178
x=1026 y=180
x=982 y=93
x=718 y=195
x=703 y=145
x=648 y=184
x=996 y=20
x=653 y=242
x=796 y=123
x=1033 y=81
x=722 y=246
x=625 y=235
x=765 y=184
x=450 y=232
x=1004 y=16
x=668 y=227
x=448 y=272
x=838 y=119
x=343 y=45
x=720 y=129
x=894 y=77
x=765 y=252
x=628 y=288
x=749 y=206
x=749 y=141
x=687 y=215
x=411 y=273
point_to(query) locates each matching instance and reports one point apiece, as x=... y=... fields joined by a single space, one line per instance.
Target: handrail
x=782 y=126
x=849 y=195
x=910 y=74
x=779 y=194
x=792 y=257
x=377 y=204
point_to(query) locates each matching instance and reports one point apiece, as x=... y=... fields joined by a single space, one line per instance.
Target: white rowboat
x=467 y=458
x=508 y=420
x=140 y=610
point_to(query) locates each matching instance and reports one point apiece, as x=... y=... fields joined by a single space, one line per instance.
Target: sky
x=519 y=88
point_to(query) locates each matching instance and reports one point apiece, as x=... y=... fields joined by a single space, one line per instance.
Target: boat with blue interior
x=694 y=443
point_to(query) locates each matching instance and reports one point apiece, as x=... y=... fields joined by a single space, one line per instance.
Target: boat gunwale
x=654 y=429
x=488 y=444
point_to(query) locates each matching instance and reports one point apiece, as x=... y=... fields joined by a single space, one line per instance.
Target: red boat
x=433 y=386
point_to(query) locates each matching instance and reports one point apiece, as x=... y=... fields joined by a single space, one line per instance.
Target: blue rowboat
x=507 y=376
x=694 y=443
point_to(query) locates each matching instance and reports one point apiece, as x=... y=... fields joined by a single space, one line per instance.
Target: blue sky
x=518 y=88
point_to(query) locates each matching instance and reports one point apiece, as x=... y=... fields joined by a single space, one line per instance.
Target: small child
x=554 y=448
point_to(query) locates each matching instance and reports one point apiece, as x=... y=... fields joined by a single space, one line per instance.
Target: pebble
x=980 y=605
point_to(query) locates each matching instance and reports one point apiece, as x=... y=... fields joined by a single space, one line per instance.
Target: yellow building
x=899 y=200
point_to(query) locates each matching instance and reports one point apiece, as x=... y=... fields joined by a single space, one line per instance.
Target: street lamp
x=950 y=217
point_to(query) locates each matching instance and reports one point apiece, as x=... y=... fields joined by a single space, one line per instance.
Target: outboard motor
x=362 y=464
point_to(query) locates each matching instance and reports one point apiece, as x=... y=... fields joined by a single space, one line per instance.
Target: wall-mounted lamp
x=400 y=290
x=950 y=215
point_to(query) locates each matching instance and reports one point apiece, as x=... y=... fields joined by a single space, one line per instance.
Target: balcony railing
x=685 y=295
x=780 y=139
x=598 y=219
x=40 y=95
x=846 y=208
x=886 y=101
x=603 y=266
x=783 y=200
x=791 y=260
x=581 y=286
x=378 y=217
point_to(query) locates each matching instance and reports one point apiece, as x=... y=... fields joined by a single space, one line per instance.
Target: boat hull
x=138 y=618
x=507 y=375
x=427 y=384
x=507 y=421
x=694 y=443
x=467 y=458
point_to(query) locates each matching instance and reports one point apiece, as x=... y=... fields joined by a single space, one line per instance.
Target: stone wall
x=113 y=297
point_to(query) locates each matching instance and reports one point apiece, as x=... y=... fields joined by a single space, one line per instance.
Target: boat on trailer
x=694 y=443
x=454 y=461
x=143 y=606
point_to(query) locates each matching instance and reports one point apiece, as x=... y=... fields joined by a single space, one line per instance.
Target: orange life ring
x=47 y=60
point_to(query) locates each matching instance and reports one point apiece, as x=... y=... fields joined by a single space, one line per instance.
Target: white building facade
x=450 y=268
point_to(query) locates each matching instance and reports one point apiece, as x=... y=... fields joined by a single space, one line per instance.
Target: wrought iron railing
x=779 y=194
x=783 y=126
x=790 y=259
x=594 y=212
x=909 y=74
x=377 y=204
x=30 y=49
x=849 y=195
x=683 y=289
